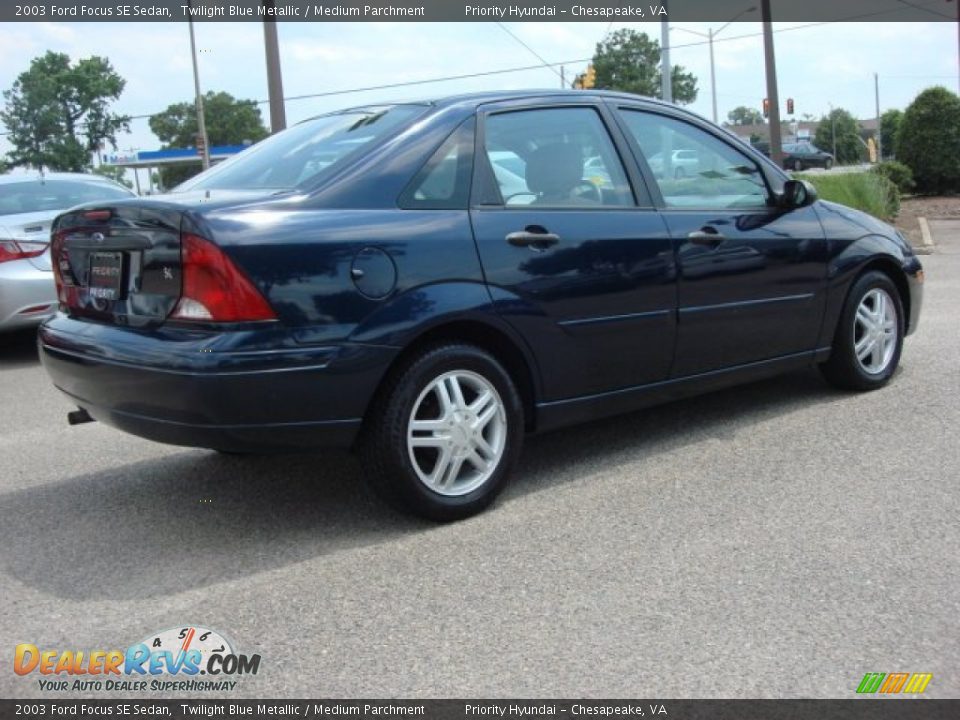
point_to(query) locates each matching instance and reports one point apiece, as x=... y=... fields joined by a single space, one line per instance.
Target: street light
x=710 y=35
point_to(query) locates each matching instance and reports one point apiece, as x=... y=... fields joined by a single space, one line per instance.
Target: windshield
x=33 y=196
x=304 y=152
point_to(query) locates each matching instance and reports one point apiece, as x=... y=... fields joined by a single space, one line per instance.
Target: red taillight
x=20 y=249
x=214 y=289
x=62 y=276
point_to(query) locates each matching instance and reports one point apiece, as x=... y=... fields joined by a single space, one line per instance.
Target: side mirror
x=797 y=194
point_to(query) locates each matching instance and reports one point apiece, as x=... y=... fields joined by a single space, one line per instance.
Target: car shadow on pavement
x=18 y=349
x=194 y=518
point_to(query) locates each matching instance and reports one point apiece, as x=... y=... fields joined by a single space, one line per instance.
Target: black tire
x=828 y=164
x=385 y=460
x=843 y=369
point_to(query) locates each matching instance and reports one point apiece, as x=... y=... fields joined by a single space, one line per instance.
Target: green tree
x=630 y=61
x=841 y=125
x=117 y=174
x=229 y=122
x=929 y=140
x=744 y=115
x=58 y=113
x=889 y=129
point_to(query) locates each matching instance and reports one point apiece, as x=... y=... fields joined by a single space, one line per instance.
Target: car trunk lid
x=119 y=264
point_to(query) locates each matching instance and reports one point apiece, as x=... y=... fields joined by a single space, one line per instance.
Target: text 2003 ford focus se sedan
x=433 y=280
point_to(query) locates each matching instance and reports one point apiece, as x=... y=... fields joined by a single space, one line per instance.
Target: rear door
x=577 y=259
x=752 y=276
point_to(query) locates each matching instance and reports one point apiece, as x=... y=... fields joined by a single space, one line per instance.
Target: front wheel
x=441 y=439
x=869 y=337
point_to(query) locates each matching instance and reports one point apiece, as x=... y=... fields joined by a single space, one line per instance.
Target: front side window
x=556 y=157
x=694 y=169
x=304 y=153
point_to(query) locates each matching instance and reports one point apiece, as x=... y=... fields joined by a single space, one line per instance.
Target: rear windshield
x=305 y=152
x=33 y=196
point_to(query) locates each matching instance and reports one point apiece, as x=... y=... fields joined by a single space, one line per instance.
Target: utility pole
x=776 y=142
x=713 y=76
x=876 y=91
x=666 y=71
x=833 y=130
x=278 y=114
x=201 y=121
x=710 y=35
x=563 y=77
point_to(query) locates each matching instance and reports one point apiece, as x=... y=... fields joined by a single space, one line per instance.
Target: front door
x=581 y=268
x=752 y=279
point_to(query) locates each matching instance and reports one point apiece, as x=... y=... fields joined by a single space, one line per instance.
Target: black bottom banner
x=860 y=709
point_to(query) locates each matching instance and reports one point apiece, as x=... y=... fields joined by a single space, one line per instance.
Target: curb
x=927 y=247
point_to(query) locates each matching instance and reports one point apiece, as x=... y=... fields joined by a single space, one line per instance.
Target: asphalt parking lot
x=777 y=540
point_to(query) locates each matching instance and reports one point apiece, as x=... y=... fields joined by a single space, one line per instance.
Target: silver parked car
x=28 y=203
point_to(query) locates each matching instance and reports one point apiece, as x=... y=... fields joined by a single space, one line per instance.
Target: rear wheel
x=441 y=440
x=869 y=337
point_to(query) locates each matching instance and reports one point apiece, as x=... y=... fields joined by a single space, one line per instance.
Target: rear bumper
x=27 y=295
x=214 y=390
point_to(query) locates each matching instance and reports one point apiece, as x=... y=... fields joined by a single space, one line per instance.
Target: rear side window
x=555 y=157
x=444 y=182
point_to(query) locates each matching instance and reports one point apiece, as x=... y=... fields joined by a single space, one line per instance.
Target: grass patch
x=865 y=191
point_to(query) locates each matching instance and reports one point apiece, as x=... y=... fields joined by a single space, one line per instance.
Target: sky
x=816 y=65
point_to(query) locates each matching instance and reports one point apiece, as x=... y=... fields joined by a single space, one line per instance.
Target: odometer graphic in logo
x=202 y=646
x=191 y=650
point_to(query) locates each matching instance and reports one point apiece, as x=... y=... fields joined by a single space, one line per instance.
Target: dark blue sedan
x=428 y=282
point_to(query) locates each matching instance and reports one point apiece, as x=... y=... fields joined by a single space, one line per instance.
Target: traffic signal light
x=789 y=106
x=766 y=107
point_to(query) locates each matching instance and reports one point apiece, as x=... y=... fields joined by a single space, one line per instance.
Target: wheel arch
x=499 y=342
x=892 y=269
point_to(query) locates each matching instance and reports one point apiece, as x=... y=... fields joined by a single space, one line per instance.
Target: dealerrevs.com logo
x=187 y=659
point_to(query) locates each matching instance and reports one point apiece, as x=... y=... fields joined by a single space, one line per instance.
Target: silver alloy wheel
x=875 y=331
x=457 y=433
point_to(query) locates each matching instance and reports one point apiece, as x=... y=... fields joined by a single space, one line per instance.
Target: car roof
x=39 y=177
x=475 y=99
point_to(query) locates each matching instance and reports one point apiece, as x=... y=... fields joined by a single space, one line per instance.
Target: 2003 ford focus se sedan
x=428 y=282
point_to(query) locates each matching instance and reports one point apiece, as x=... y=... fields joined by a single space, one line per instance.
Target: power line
x=532 y=51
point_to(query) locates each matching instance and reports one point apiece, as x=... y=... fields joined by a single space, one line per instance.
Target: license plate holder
x=105 y=276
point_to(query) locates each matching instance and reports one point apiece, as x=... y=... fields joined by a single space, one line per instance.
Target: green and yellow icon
x=893 y=683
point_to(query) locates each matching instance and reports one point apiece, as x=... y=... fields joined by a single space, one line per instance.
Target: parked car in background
x=804 y=155
x=450 y=278
x=684 y=163
x=28 y=204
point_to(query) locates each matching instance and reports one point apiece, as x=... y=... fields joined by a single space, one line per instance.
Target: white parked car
x=28 y=204
x=685 y=163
